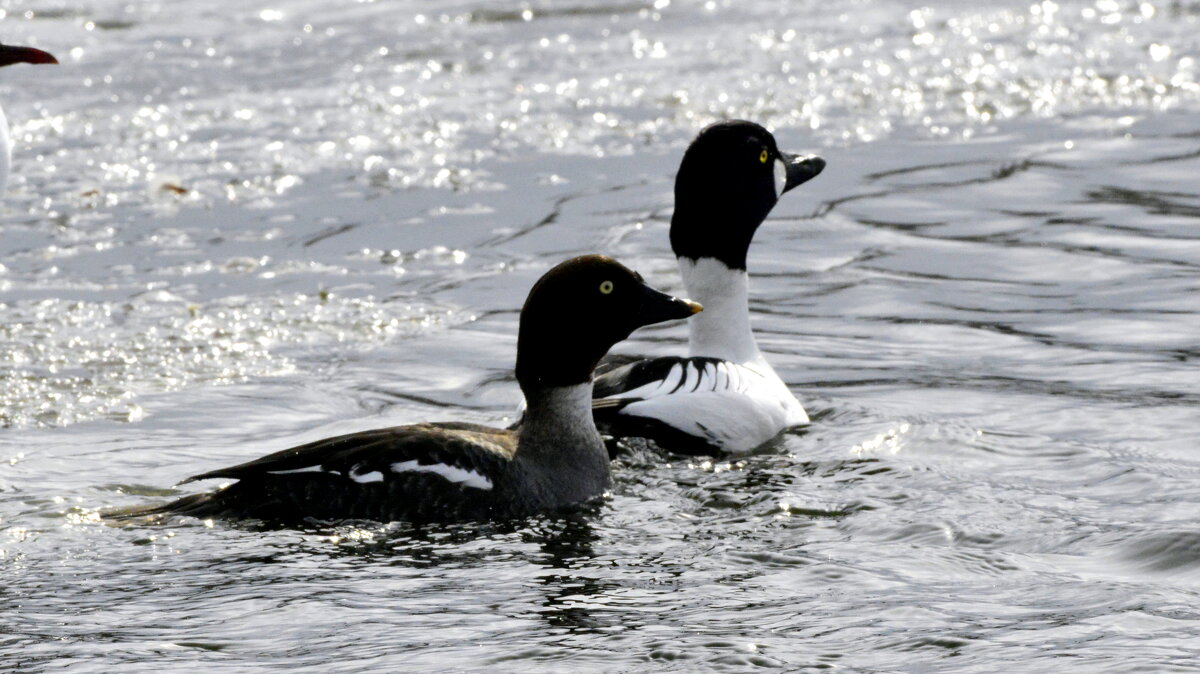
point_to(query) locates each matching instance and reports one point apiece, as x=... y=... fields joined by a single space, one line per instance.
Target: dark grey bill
x=801 y=168
x=658 y=306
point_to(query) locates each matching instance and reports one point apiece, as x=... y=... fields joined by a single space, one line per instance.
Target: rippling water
x=235 y=228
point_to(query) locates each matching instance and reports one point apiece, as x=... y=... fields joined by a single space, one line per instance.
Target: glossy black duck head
x=730 y=178
x=577 y=311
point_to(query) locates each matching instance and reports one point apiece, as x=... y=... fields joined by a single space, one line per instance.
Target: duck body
x=419 y=472
x=464 y=471
x=723 y=396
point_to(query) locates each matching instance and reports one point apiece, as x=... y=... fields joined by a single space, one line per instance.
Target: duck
x=454 y=471
x=10 y=54
x=723 y=397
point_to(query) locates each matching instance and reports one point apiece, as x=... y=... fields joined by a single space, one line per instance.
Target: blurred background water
x=237 y=226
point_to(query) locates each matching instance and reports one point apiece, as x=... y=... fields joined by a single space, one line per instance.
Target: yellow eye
x=606 y=287
x=762 y=158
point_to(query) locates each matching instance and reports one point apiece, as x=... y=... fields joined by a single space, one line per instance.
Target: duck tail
x=192 y=504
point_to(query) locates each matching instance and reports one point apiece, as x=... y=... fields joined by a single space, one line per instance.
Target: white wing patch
x=736 y=407
x=364 y=478
x=467 y=478
x=306 y=469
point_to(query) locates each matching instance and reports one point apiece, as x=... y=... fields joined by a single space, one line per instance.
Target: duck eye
x=606 y=287
x=762 y=158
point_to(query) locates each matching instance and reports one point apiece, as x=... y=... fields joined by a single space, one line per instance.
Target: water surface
x=233 y=229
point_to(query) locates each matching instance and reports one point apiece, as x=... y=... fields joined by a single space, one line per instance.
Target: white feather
x=736 y=407
x=467 y=478
x=306 y=469
x=722 y=330
x=780 y=177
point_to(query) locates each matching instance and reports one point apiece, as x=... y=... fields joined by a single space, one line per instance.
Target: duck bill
x=800 y=168
x=659 y=306
x=10 y=55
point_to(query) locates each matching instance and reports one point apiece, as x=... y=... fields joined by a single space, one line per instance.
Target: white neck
x=722 y=330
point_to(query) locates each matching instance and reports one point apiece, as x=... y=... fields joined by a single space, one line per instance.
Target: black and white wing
x=422 y=471
x=460 y=453
x=695 y=405
x=667 y=376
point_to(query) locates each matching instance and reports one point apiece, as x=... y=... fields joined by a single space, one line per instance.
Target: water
x=233 y=229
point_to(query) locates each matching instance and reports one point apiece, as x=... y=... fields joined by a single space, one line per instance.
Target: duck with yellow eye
x=723 y=395
x=455 y=470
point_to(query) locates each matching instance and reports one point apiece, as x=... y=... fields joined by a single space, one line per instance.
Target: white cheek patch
x=780 y=177
x=467 y=478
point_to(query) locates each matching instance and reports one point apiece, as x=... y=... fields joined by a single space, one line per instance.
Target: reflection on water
x=234 y=229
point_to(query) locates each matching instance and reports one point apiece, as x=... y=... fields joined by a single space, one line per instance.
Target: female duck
x=453 y=471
